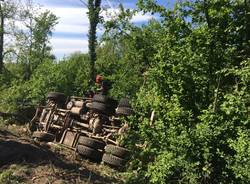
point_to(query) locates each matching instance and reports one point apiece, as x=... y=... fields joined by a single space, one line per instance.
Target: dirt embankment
x=23 y=160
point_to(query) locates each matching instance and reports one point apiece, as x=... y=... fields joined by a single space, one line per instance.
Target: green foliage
x=122 y=71
x=34 y=48
x=8 y=176
x=240 y=162
x=125 y=58
x=191 y=68
x=94 y=8
x=69 y=76
x=198 y=86
x=14 y=97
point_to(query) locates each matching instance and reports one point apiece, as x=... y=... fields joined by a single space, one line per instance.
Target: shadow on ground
x=15 y=150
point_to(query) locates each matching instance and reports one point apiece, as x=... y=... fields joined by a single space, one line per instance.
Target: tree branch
x=84 y=3
x=10 y=51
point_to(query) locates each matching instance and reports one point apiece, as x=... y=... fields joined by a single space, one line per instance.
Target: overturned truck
x=92 y=127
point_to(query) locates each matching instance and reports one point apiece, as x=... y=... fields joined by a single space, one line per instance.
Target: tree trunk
x=94 y=7
x=1 y=38
x=247 y=29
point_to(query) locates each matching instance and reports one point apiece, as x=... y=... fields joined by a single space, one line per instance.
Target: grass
x=14 y=174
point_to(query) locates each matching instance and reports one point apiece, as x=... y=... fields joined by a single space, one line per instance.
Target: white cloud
x=71 y=20
x=66 y=28
x=64 y=46
x=71 y=16
x=71 y=43
x=75 y=21
x=140 y=17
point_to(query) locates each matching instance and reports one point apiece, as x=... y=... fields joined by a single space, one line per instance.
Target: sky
x=70 y=34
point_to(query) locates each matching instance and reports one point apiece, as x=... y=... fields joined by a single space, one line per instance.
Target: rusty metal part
x=112 y=127
x=123 y=129
x=68 y=124
x=45 y=117
x=51 y=103
x=37 y=114
x=32 y=126
x=81 y=124
x=110 y=130
x=60 y=120
x=67 y=121
x=79 y=103
x=85 y=117
x=112 y=141
x=49 y=120
x=89 y=105
x=69 y=138
x=76 y=110
x=95 y=124
x=70 y=105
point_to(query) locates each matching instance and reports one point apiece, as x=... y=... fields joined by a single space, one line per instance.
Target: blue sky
x=70 y=35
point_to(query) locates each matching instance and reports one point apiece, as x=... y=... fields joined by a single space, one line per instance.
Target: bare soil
x=23 y=160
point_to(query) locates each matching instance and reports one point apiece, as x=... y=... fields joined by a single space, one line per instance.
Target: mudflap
x=69 y=138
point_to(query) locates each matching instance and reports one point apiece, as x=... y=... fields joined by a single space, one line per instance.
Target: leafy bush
x=198 y=87
x=68 y=76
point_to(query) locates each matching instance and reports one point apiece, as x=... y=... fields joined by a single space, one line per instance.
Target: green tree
x=30 y=49
x=1 y=38
x=7 y=13
x=94 y=8
x=197 y=85
x=69 y=76
x=33 y=46
x=126 y=52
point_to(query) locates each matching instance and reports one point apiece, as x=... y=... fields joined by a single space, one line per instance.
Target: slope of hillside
x=23 y=160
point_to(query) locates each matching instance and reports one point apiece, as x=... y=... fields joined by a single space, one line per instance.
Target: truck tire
x=43 y=136
x=90 y=142
x=105 y=100
x=124 y=102
x=57 y=96
x=113 y=160
x=99 y=107
x=117 y=151
x=124 y=111
x=89 y=152
x=100 y=98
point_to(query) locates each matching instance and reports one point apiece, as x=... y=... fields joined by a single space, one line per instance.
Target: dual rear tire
x=116 y=156
x=124 y=108
x=90 y=148
x=59 y=98
x=103 y=104
x=93 y=149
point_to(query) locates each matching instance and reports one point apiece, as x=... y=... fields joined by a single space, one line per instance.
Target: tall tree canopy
x=94 y=7
x=8 y=11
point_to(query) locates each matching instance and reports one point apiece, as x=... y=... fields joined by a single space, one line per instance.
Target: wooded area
x=190 y=65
